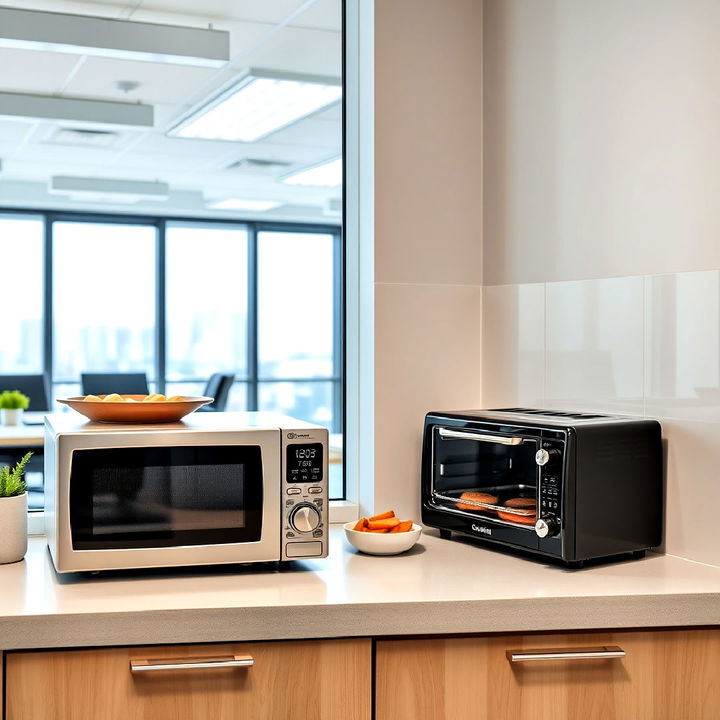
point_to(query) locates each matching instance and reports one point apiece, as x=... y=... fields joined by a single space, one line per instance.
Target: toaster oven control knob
x=304 y=518
x=547 y=527
x=543 y=456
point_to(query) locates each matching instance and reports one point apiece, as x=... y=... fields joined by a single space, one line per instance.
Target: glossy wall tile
x=513 y=345
x=636 y=345
x=594 y=357
x=682 y=345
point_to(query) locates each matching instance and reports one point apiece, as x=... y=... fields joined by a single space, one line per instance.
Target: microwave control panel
x=305 y=498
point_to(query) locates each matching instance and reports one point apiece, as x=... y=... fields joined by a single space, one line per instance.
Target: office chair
x=34 y=386
x=218 y=387
x=106 y=383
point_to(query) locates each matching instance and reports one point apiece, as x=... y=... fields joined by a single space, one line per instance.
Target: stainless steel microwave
x=213 y=488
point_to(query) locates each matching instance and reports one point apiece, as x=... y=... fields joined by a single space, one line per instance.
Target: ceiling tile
x=41 y=73
x=159 y=82
x=322 y=14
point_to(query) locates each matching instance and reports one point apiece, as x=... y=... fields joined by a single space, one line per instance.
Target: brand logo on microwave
x=295 y=436
x=481 y=529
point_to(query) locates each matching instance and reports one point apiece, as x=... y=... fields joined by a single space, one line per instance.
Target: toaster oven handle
x=462 y=435
x=590 y=653
x=230 y=661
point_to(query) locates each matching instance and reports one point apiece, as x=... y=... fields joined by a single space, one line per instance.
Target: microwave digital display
x=165 y=496
x=305 y=463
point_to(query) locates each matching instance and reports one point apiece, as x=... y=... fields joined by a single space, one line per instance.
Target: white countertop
x=438 y=587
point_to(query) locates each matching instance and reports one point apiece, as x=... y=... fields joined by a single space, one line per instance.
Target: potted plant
x=13 y=512
x=12 y=404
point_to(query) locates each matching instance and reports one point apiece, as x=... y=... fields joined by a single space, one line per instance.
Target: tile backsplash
x=641 y=345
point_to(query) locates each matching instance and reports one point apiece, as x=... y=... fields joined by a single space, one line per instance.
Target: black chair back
x=34 y=386
x=218 y=387
x=106 y=383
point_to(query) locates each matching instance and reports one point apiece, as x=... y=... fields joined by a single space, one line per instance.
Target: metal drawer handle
x=498 y=439
x=591 y=653
x=143 y=665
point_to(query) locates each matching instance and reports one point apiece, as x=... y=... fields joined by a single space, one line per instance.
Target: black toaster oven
x=564 y=485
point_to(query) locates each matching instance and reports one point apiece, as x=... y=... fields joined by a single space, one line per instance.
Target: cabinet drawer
x=308 y=680
x=663 y=675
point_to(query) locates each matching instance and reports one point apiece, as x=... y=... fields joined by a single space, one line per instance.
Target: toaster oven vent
x=551 y=413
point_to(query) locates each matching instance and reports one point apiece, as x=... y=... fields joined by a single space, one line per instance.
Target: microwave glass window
x=148 y=497
x=478 y=476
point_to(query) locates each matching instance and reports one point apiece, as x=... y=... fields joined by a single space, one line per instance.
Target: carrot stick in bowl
x=383 y=516
x=387 y=523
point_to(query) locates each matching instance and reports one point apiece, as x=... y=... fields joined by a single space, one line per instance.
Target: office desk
x=22 y=436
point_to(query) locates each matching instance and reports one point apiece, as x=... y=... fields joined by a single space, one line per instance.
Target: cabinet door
x=664 y=675
x=305 y=680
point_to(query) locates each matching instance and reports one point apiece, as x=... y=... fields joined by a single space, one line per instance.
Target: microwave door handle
x=497 y=439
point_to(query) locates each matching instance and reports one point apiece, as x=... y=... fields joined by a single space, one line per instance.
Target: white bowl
x=382 y=543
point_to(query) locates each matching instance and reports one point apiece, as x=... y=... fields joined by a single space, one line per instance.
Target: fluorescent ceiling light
x=258 y=104
x=327 y=174
x=247 y=205
x=108 y=189
x=106 y=37
x=92 y=112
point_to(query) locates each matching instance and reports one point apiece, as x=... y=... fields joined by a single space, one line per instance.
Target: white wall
x=428 y=225
x=602 y=226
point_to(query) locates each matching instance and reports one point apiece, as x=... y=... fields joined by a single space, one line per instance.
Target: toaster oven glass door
x=150 y=497
x=486 y=475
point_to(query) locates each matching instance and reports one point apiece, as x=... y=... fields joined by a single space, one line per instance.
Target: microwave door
x=485 y=475
x=162 y=497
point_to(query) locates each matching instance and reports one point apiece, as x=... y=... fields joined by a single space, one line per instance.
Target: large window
x=180 y=301
x=103 y=300
x=21 y=260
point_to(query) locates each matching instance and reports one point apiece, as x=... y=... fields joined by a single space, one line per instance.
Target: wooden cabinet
x=304 y=680
x=664 y=675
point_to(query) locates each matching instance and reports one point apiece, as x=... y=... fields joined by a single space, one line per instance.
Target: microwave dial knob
x=304 y=518
x=547 y=527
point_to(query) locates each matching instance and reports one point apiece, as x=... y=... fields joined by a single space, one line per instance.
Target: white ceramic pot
x=12 y=417
x=13 y=528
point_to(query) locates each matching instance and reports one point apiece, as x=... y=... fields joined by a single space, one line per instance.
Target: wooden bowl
x=136 y=412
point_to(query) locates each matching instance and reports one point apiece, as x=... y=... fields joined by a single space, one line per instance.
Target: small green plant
x=13 y=400
x=11 y=482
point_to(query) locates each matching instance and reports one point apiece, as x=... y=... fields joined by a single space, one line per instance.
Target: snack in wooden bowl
x=116 y=408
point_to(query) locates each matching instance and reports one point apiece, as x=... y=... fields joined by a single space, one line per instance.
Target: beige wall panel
x=602 y=156
x=428 y=141
x=427 y=358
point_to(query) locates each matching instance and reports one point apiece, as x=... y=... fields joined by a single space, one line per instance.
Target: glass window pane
x=295 y=305
x=103 y=298
x=310 y=401
x=206 y=301
x=313 y=402
x=236 y=401
x=21 y=257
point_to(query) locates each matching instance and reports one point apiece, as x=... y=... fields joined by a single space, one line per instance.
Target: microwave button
x=294 y=491
x=315 y=490
x=312 y=548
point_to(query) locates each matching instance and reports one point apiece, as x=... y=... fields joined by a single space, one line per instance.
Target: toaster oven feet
x=445 y=534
